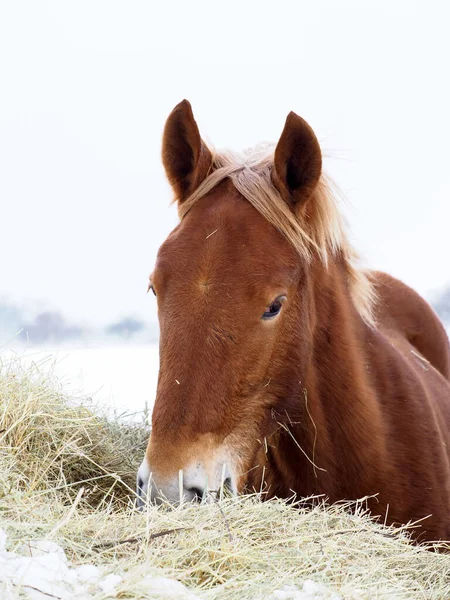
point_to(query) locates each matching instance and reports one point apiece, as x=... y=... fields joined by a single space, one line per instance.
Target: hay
x=66 y=475
x=55 y=443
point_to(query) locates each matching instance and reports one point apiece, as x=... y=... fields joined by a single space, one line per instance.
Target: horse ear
x=186 y=158
x=297 y=161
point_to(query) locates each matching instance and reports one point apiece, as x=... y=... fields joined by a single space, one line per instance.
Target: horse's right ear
x=186 y=158
x=297 y=161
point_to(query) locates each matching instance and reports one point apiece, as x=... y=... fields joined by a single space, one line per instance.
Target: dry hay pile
x=67 y=475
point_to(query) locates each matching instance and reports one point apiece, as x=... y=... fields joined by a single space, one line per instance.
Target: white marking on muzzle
x=195 y=482
x=143 y=481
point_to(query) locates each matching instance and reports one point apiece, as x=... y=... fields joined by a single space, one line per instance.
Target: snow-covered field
x=43 y=571
x=122 y=378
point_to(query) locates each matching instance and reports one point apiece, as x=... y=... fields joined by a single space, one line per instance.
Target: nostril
x=195 y=494
x=226 y=488
x=139 y=493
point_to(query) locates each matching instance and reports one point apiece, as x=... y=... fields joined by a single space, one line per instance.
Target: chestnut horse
x=283 y=366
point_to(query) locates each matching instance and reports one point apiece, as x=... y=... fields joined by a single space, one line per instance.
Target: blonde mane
x=320 y=231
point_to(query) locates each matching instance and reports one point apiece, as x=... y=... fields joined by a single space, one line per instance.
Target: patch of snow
x=88 y=573
x=310 y=590
x=109 y=583
x=46 y=572
x=162 y=587
x=41 y=574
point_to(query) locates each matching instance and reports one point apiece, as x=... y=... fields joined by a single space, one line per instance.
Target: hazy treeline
x=442 y=306
x=50 y=326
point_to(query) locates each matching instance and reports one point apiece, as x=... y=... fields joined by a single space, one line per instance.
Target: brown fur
x=317 y=400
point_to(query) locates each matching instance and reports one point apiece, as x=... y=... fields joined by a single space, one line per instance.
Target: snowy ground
x=122 y=378
x=42 y=570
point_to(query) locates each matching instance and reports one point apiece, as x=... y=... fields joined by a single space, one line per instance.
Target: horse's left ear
x=297 y=161
x=186 y=158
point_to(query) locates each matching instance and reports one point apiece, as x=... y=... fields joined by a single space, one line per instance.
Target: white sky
x=85 y=88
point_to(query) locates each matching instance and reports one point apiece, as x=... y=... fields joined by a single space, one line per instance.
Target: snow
x=310 y=590
x=109 y=583
x=170 y=589
x=120 y=378
x=42 y=571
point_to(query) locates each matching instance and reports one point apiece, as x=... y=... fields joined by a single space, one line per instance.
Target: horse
x=286 y=367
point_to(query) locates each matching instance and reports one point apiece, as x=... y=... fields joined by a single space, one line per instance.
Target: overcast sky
x=85 y=88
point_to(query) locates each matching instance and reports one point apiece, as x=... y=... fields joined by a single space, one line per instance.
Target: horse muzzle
x=197 y=482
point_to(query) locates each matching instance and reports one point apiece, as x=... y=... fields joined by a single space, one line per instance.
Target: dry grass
x=51 y=447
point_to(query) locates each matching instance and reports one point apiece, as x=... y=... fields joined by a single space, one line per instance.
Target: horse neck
x=338 y=330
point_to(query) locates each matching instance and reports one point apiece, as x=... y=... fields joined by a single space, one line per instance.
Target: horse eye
x=274 y=309
x=151 y=288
